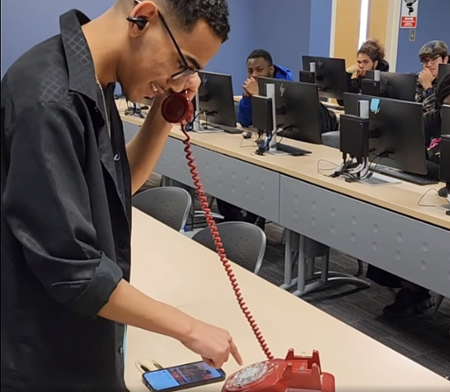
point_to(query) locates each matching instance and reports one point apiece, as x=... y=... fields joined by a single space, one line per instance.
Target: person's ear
x=375 y=64
x=271 y=71
x=446 y=59
x=141 y=17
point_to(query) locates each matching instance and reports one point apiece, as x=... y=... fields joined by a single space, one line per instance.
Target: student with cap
x=431 y=55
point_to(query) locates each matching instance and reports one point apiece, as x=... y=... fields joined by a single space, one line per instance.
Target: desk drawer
x=248 y=186
x=414 y=250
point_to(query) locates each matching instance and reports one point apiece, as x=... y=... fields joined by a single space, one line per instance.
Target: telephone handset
x=295 y=373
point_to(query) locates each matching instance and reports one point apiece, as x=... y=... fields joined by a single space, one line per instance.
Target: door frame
x=392 y=31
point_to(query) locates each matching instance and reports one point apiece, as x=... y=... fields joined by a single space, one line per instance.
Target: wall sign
x=409 y=14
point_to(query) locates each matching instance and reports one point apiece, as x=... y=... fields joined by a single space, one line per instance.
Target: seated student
x=431 y=55
x=260 y=64
x=370 y=57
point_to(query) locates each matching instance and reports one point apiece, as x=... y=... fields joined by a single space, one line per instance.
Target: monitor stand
x=204 y=128
x=200 y=127
x=270 y=93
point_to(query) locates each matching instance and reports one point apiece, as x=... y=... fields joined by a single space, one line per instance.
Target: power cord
x=320 y=171
x=424 y=195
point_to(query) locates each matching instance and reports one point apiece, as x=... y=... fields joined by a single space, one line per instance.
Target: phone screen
x=183 y=376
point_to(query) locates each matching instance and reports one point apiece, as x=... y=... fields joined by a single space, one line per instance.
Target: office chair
x=244 y=243
x=169 y=205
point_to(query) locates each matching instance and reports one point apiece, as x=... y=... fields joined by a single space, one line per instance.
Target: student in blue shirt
x=260 y=64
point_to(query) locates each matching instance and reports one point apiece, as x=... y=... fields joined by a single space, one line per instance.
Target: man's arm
x=46 y=204
x=145 y=148
x=129 y=306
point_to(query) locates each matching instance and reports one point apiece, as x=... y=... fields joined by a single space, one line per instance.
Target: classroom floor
x=421 y=339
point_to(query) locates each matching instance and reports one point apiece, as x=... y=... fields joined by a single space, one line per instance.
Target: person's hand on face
x=213 y=344
x=426 y=79
x=192 y=85
x=251 y=87
x=189 y=85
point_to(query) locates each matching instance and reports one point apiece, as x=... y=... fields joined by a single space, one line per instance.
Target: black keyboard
x=408 y=177
x=292 y=150
x=227 y=129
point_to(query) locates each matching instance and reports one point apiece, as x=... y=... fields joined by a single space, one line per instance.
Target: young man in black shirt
x=67 y=180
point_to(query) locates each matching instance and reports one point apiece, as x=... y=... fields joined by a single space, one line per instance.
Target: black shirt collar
x=80 y=63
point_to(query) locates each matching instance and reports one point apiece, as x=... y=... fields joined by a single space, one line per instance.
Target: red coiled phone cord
x=219 y=246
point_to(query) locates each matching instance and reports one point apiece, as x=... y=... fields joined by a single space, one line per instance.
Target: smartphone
x=181 y=377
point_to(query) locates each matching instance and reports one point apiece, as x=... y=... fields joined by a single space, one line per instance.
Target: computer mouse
x=247 y=135
x=443 y=192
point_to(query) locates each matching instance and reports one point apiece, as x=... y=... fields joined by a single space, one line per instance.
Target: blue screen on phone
x=161 y=380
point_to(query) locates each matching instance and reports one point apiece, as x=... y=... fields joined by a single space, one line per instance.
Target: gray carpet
x=421 y=339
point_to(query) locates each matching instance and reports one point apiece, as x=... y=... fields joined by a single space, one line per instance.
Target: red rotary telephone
x=293 y=374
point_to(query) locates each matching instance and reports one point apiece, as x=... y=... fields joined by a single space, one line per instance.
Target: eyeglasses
x=186 y=70
x=432 y=60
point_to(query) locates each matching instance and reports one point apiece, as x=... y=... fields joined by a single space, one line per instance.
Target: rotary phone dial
x=295 y=373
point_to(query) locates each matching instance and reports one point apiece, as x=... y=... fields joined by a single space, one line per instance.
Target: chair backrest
x=244 y=243
x=169 y=205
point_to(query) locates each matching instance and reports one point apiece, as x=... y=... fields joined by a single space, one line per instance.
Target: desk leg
x=288 y=282
x=323 y=279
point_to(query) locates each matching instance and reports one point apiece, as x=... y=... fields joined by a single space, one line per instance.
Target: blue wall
x=232 y=54
x=287 y=28
x=320 y=31
x=282 y=28
x=28 y=22
x=432 y=23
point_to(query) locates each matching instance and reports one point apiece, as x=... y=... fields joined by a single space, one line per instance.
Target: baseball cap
x=433 y=48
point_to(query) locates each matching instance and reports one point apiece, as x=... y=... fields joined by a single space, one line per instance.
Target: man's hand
x=358 y=72
x=192 y=85
x=213 y=344
x=426 y=79
x=251 y=87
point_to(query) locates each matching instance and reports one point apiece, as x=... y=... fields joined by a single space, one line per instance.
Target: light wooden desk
x=197 y=284
x=383 y=226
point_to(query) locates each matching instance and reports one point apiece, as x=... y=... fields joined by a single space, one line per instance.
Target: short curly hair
x=186 y=14
x=373 y=49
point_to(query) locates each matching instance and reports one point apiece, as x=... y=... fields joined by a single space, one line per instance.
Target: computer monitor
x=444 y=171
x=297 y=107
x=445 y=120
x=215 y=99
x=332 y=78
x=444 y=70
x=395 y=85
x=397 y=137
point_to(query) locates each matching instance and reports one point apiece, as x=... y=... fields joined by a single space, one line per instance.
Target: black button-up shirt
x=66 y=216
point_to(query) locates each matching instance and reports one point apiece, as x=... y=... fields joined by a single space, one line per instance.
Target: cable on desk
x=319 y=171
x=423 y=196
